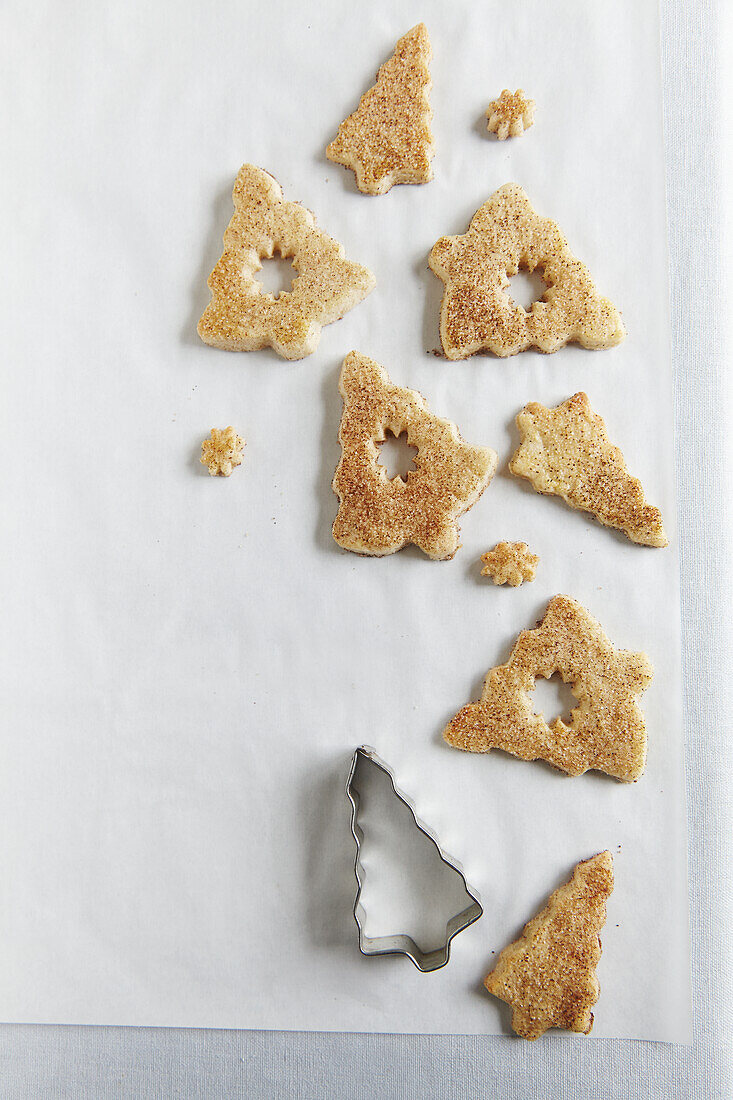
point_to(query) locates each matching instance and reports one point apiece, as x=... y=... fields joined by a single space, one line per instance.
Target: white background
x=190 y=662
x=691 y=472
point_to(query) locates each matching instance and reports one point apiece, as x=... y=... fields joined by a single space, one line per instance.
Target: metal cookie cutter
x=402 y=944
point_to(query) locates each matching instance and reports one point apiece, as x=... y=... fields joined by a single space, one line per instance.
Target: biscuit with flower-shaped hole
x=548 y=975
x=566 y=452
x=606 y=731
x=241 y=315
x=387 y=140
x=477 y=314
x=378 y=515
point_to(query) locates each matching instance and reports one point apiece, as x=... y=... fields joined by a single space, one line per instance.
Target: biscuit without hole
x=241 y=315
x=378 y=515
x=387 y=140
x=477 y=313
x=510 y=563
x=606 y=731
x=548 y=975
x=566 y=452
x=222 y=451
x=510 y=115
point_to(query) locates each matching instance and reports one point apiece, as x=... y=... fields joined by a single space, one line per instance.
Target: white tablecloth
x=112 y=1062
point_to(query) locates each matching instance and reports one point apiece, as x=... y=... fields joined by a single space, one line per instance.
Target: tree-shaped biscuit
x=241 y=315
x=548 y=975
x=477 y=313
x=606 y=731
x=387 y=139
x=378 y=515
x=566 y=452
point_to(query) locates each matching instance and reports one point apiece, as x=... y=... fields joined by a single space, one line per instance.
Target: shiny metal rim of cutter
x=401 y=943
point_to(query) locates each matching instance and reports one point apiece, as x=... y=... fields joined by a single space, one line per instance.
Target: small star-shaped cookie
x=222 y=451
x=510 y=563
x=510 y=115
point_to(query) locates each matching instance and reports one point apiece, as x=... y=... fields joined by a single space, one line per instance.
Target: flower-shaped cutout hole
x=553 y=698
x=526 y=287
x=276 y=274
x=396 y=455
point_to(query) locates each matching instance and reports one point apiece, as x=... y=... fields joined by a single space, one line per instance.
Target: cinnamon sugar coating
x=241 y=315
x=510 y=563
x=478 y=314
x=387 y=140
x=222 y=451
x=378 y=515
x=566 y=451
x=606 y=732
x=548 y=975
x=510 y=115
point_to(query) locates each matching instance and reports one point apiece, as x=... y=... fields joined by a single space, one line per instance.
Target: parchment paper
x=188 y=663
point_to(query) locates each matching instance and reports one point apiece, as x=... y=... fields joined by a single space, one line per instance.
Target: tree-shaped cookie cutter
x=401 y=943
